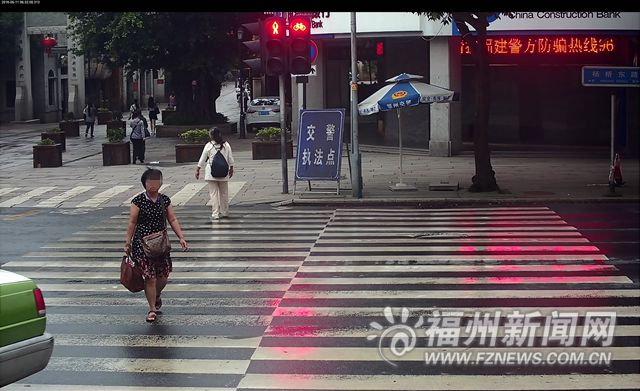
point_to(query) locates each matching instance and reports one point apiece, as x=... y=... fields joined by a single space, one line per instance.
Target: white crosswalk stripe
x=102 y=197
x=286 y=299
x=25 y=197
x=7 y=190
x=65 y=198
x=186 y=193
x=218 y=303
x=57 y=200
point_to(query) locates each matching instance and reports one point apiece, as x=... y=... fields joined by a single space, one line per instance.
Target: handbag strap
x=164 y=210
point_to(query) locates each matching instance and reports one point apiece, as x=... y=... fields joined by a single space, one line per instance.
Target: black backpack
x=219 y=165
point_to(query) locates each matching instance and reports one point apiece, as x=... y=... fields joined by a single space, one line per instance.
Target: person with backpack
x=217 y=159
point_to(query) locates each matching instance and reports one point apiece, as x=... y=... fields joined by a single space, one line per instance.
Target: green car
x=24 y=346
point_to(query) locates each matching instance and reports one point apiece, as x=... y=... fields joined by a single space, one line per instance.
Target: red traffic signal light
x=299 y=45
x=274 y=38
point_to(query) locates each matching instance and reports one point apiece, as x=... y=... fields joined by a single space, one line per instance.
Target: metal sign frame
x=320 y=139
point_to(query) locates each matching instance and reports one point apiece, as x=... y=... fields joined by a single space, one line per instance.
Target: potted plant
x=116 y=121
x=177 y=123
x=47 y=154
x=194 y=142
x=57 y=136
x=116 y=151
x=104 y=115
x=70 y=126
x=268 y=144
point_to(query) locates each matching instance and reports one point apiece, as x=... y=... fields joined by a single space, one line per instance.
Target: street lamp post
x=242 y=130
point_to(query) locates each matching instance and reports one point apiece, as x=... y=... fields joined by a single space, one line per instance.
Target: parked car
x=262 y=112
x=25 y=347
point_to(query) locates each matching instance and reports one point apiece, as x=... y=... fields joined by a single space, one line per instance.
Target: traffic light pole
x=241 y=131
x=356 y=174
x=283 y=137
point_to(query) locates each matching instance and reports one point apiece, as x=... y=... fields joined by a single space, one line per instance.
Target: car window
x=265 y=102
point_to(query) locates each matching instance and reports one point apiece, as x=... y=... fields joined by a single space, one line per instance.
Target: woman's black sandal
x=152 y=316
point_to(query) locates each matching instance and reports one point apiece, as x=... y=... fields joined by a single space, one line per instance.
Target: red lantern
x=48 y=42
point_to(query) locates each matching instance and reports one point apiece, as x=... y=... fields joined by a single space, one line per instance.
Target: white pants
x=219 y=195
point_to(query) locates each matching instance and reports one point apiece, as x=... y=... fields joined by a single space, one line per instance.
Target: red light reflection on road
x=292 y=331
x=284 y=311
x=528 y=248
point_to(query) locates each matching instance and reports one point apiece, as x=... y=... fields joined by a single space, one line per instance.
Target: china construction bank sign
x=575 y=21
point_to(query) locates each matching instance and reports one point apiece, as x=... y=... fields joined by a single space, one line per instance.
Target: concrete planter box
x=262 y=150
x=114 y=124
x=175 y=130
x=47 y=156
x=166 y=114
x=104 y=117
x=58 y=138
x=115 y=154
x=71 y=128
x=189 y=152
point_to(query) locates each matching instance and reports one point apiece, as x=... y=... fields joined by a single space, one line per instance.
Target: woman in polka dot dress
x=146 y=216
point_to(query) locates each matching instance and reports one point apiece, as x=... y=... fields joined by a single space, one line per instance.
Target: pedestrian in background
x=172 y=100
x=149 y=213
x=137 y=136
x=133 y=108
x=218 y=187
x=90 y=112
x=153 y=113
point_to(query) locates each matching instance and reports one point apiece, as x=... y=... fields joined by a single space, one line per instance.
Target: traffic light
x=255 y=46
x=299 y=45
x=274 y=37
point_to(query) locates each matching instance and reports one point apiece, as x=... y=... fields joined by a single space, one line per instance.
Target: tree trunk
x=197 y=102
x=484 y=178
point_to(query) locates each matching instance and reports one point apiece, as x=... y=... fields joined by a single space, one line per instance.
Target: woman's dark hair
x=216 y=136
x=151 y=173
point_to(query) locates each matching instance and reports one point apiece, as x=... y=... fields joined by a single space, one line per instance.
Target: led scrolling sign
x=557 y=45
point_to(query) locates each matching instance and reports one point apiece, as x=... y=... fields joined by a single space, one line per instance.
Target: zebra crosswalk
x=286 y=298
x=89 y=196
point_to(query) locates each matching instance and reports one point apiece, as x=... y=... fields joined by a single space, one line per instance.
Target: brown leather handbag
x=130 y=275
x=156 y=245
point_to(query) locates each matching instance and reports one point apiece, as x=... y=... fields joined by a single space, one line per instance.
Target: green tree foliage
x=9 y=25
x=200 y=46
x=473 y=27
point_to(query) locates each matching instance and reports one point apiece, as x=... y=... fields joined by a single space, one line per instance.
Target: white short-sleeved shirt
x=209 y=150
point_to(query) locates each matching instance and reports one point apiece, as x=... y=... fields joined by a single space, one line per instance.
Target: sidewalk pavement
x=573 y=175
x=523 y=177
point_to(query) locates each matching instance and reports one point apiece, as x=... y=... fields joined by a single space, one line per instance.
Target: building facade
x=536 y=94
x=42 y=85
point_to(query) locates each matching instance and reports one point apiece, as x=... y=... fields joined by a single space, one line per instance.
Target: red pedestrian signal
x=274 y=37
x=299 y=45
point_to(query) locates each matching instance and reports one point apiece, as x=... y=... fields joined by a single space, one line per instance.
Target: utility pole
x=356 y=173
x=283 y=138
x=241 y=127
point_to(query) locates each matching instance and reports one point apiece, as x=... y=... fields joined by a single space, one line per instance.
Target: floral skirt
x=154 y=268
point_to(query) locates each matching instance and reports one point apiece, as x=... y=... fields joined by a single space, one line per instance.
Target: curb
x=447 y=201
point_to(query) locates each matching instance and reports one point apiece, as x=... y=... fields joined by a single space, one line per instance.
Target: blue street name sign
x=596 y=76
x=320 y=144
